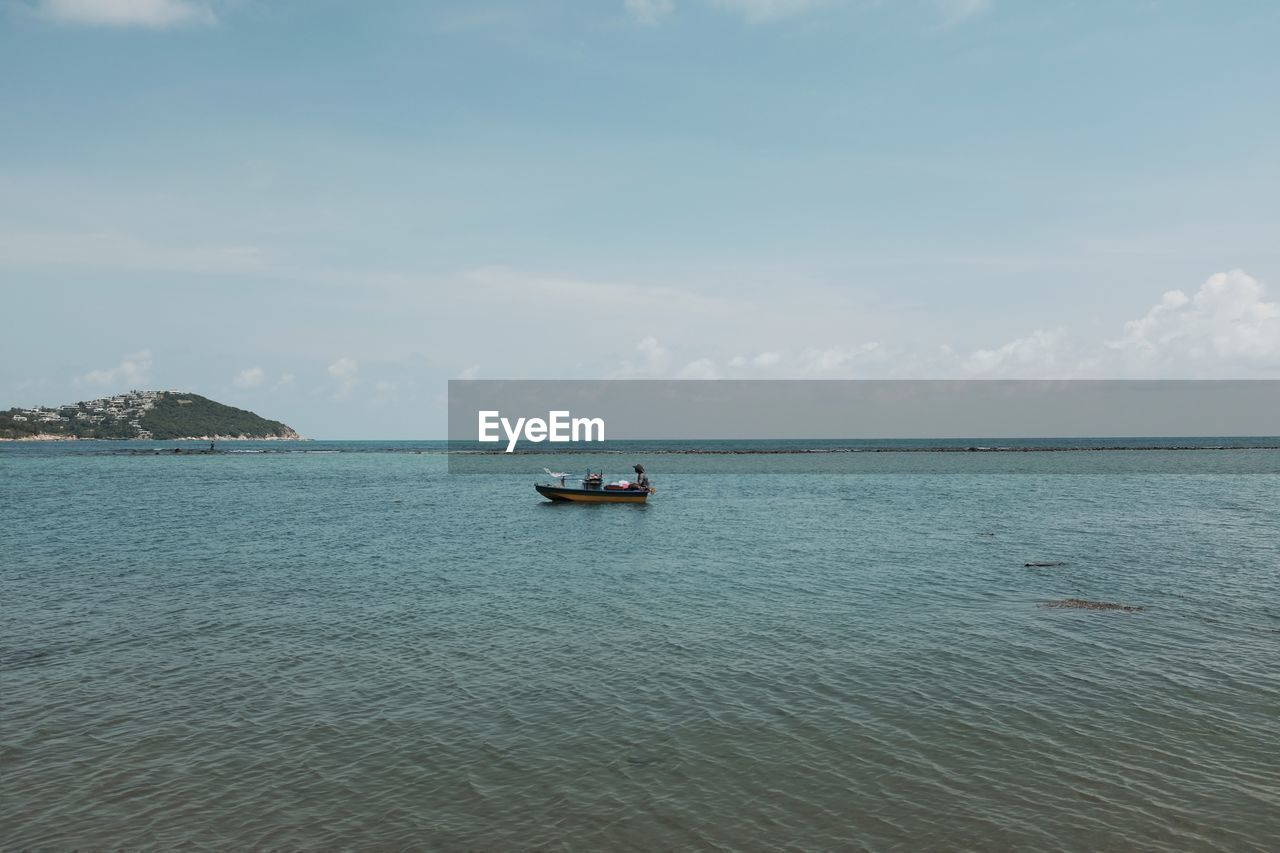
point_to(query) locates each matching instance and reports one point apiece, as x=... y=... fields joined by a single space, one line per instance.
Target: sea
x=903 y=645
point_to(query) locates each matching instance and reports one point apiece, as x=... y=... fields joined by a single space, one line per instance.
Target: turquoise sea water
x=359 y=649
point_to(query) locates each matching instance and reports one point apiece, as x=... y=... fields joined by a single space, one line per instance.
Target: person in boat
x=642 y=479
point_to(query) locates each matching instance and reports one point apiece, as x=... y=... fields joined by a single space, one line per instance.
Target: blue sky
x=324 y=210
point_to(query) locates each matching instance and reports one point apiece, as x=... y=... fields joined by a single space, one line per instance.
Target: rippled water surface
x=359 y=649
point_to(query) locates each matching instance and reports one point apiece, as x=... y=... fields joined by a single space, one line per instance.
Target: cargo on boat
x=595 y=490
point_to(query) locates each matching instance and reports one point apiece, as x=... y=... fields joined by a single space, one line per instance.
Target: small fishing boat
x=594 y=490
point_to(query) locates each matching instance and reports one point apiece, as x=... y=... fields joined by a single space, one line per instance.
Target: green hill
x=142 y=414
x=182 y=415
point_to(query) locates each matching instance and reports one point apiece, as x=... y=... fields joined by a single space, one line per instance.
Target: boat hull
x=593 y=496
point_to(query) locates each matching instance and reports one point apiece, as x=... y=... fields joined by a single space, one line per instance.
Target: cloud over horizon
x=250 y=377
x=1227 y=329
x=1228 y=322
x=346 y=371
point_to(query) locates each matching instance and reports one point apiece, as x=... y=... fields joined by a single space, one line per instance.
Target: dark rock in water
x=1042 y=565
x=1083 y=604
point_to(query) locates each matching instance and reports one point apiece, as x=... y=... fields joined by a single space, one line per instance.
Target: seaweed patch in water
x=1082 y=604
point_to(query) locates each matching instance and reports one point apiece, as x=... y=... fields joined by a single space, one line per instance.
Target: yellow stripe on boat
x=605 y=498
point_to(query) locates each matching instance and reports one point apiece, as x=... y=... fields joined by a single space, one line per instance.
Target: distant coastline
x=141 y=415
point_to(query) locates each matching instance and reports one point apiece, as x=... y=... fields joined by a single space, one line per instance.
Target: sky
x=323 y=210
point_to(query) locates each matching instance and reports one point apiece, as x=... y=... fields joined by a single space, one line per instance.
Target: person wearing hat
x=642 y=479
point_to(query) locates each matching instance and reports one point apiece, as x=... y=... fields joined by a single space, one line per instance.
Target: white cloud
x=702 y=368
x=766 y=359
x=1227 y=327
x=1035 y=356
x=150 y=14
x=651 y=349
x=346 y=371
x=838 y=361
x=760 y=11
x=283 y=382
x=250 y=377
x=133 y=371
x=832 y=362
x=649 y=12
x=651 y=362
